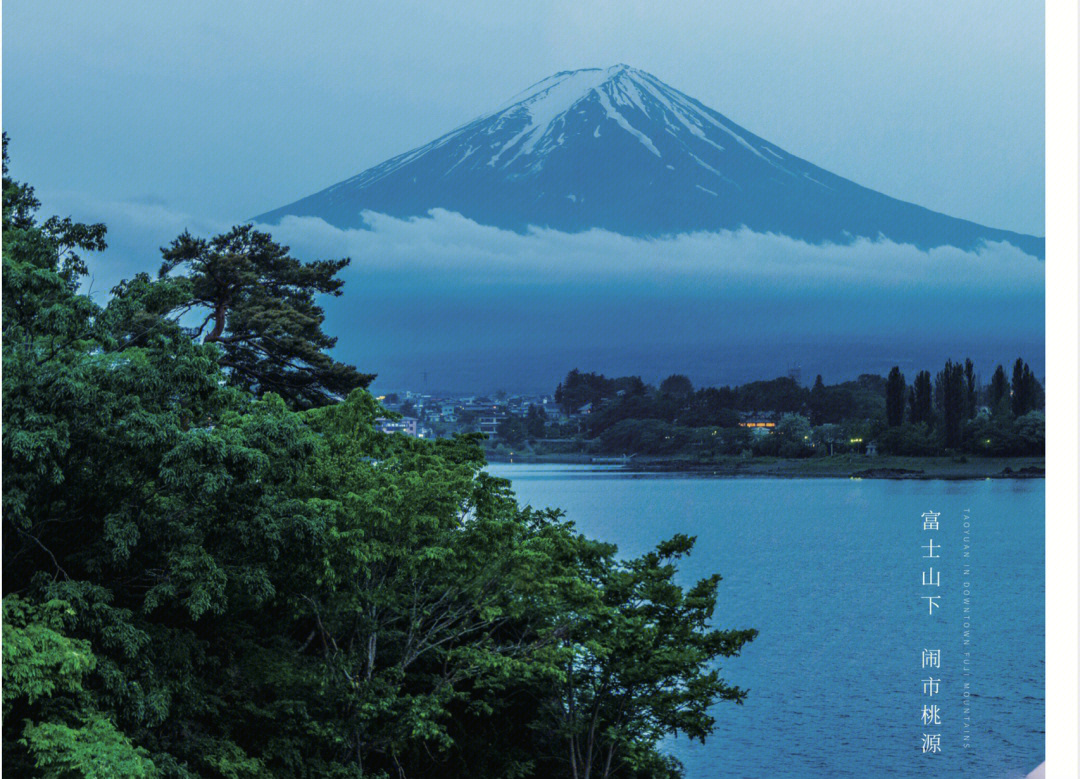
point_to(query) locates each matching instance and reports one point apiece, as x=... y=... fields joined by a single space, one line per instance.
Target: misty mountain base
x=203 y=577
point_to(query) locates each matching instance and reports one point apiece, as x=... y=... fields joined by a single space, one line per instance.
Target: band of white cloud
x=456 y=252
x=448 y=244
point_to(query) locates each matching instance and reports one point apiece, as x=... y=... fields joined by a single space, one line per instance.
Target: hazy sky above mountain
x=222 y=110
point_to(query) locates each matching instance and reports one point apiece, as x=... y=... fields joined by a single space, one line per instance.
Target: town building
x=755 y=420
x=407 y=425
x=489 y=422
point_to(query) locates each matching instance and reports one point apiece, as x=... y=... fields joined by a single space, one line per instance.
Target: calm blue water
x=829 y=570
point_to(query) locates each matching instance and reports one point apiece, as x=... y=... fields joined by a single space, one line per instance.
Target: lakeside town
x=592 y=418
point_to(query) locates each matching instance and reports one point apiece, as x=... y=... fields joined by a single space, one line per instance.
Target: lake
x=830 y=571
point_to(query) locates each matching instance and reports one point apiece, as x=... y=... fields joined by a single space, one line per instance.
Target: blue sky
x=161 y=117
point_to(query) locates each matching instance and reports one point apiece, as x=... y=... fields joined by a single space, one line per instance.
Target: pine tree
x=261 y=311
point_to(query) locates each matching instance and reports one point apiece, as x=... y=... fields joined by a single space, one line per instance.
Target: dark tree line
x=953 y=410
x=949 y=411
x=954 y=395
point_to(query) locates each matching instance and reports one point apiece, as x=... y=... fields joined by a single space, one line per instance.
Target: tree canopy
x=206 y=578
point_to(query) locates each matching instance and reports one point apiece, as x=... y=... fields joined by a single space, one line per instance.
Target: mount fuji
x=620 y=150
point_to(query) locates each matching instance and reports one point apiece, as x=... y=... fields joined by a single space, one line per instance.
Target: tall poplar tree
x=970 y=389
x=895 y=392
x=922 y=398
x=1026 y=391
x=953 y=401
x=999 y=389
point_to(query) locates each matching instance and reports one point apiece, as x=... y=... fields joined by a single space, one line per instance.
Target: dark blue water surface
x=830 y=571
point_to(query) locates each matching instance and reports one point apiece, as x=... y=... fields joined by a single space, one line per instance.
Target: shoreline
x=840 y=466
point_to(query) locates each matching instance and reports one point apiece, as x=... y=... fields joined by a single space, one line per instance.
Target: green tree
x=645 y=436
x=579 y=388
x=1026 y=391
x=512 y=430
x=677 y=386
x=783 y=394
x=829 y=435
x=63 y=734
x=52 y=353
x=1031 y=433
x=1019 y=388
x=714 y=406
x=910 y=440
x=794 y=432
x=61 y=238
x=999 y=390
x=971 y=389
x=817 y=402
x=921 y=399
x=953 y=391
x=259 y=305
x=638 y=665
x=536 y=421
x=895 y=397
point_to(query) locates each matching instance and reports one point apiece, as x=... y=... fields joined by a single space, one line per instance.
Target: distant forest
x=949 y=412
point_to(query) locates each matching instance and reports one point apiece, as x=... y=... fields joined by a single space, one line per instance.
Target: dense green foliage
x=203 y=579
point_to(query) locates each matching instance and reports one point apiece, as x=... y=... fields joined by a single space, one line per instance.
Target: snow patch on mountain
x=544 y=106
x=621 y=121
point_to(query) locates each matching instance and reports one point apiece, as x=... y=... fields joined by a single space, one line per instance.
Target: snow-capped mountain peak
x=535 y=121
x=619 y=149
